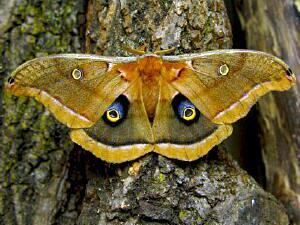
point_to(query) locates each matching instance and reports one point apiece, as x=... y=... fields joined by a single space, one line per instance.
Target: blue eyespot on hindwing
x=185 y=110
x=117 y=111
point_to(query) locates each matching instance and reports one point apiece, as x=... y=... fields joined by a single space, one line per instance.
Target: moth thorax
x=150 y=70
x=150 y=67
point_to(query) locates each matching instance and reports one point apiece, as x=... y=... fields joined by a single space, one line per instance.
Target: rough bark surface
x=273 y=26
x=41 y=180
x=45 y=179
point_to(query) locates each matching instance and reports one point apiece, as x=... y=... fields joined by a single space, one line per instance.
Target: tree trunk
x=46 y=179
x=273 y=26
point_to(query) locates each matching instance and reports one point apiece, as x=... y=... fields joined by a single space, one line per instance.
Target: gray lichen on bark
x=35 y=156
x=189 y=26
x=213 y=190
x=48 y=180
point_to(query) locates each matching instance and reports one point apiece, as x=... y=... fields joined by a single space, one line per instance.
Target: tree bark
x=46 y=179
x=273 y=26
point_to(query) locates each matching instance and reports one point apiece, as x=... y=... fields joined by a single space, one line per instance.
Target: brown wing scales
x=222 y=85
x=225 y=99
x=76 y=103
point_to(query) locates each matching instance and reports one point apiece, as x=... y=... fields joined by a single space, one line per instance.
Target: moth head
x=185 y=110
x=117 y=111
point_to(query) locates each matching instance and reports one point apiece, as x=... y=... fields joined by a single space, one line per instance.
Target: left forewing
x=77 y=88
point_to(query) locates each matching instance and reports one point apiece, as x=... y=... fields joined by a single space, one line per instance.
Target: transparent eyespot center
x=77 y=74
x=113 y=115
x=224 y=70
x=189 y=114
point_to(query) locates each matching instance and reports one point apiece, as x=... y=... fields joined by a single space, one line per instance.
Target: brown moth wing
x=128 y=140
x=76 y=103
x=228 y=97
x=175 y=139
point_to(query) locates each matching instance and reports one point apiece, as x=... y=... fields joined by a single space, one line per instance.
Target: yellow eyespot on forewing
x=224 y=70
x=189 y=114
x=113 y=115
x=77 y=74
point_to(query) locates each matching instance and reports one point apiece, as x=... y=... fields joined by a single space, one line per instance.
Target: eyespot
x=185 y=110
x=113 y=115
x=11 y=80
x=77 y=74
x=223 y=70
x=117 y=111
x=189 y=113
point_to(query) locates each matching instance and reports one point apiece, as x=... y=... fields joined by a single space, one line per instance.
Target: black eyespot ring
x=289 y=72
x=185 y=111
x=117 y=111
x=11 y=80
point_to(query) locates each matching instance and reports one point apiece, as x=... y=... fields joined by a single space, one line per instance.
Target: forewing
x=75 y=102
x=222 y=95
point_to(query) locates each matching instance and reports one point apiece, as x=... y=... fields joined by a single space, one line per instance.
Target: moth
x=121 y=108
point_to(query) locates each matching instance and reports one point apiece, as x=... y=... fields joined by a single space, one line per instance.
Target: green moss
x=162 y=177
x=32 y=142
x=37 y=27
x=31 y=39
x=21 y=9
x=54 y=17
x=183 y=214
x=32 y=11
x=190 y=217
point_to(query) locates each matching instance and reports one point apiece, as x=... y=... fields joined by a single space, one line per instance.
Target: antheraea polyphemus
x=121 y=108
